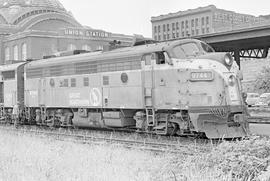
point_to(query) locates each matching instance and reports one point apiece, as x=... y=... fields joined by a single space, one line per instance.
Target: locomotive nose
x=225 y=58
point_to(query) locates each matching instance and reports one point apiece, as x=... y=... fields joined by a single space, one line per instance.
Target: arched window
x=15 y=53
x=71 y=47
x=100 y=47
x=7 y=54
x=24 y=51
x=86 y=47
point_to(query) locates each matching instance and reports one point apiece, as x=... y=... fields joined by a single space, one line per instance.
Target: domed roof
x=31 y=3
x=15 y=11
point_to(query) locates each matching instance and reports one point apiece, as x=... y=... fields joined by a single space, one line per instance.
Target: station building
x=31 y=29
x=200 y=21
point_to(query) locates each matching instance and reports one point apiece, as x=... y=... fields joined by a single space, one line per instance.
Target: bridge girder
x=252 y=53
x=247 y=53
x=253 y=42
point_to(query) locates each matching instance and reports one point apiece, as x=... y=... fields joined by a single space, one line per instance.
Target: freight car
x=179 y=87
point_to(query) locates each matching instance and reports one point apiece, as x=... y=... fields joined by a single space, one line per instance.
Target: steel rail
x=259 y=119
x=175 y=148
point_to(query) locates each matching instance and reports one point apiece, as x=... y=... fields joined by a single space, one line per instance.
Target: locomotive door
x=42 y=92
x=1 y=92
x=14 y=97
x=148 y=79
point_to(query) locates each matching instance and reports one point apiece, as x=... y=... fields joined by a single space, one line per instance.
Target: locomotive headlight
x=228 y=59
x=232 y=80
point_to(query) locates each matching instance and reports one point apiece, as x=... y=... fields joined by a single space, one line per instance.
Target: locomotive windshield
x=186 y=50
x=207 y=48
x=191 y=49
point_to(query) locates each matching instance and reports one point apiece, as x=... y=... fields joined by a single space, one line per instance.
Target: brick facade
x=32 y=29
x=200 y=21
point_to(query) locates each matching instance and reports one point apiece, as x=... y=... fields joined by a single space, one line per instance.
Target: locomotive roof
x=8 y=67
x=117 y=53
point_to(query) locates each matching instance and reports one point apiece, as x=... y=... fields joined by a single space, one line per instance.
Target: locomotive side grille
x=56 y=71
x=34 y=73
x=86 y=67
x=89 y=67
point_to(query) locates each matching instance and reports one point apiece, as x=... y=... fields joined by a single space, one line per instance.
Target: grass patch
x=26 y=157
x=238 y=161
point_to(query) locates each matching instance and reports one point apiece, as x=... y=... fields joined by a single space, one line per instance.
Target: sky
x=134 y=16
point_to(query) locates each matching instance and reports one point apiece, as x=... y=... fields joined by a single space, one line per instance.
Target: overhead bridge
x=251 y=42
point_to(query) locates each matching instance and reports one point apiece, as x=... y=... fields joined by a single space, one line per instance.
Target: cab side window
x=160 y=58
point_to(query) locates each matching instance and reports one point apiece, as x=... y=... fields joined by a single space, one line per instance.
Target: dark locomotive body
x=180 y=87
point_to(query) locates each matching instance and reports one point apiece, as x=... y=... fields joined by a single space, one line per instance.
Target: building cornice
x=53 y=34
x=182 y=13
x=49 y=16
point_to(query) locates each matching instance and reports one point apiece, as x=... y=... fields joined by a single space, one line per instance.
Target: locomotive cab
x=190 y=88
x=215 y=103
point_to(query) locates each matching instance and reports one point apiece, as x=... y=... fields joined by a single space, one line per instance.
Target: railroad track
x=84 y=138
x=259 y=119
x=259 y=115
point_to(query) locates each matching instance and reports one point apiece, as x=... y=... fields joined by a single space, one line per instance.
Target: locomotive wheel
x=53 y=122
x=172 y=130
x=50 y=123
x=201 y=135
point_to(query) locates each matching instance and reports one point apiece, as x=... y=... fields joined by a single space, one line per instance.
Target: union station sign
x=86 y=33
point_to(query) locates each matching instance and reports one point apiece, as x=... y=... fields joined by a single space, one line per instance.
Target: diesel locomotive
x=179 y=87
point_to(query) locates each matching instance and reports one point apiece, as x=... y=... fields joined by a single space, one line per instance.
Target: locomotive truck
x=179 y=87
